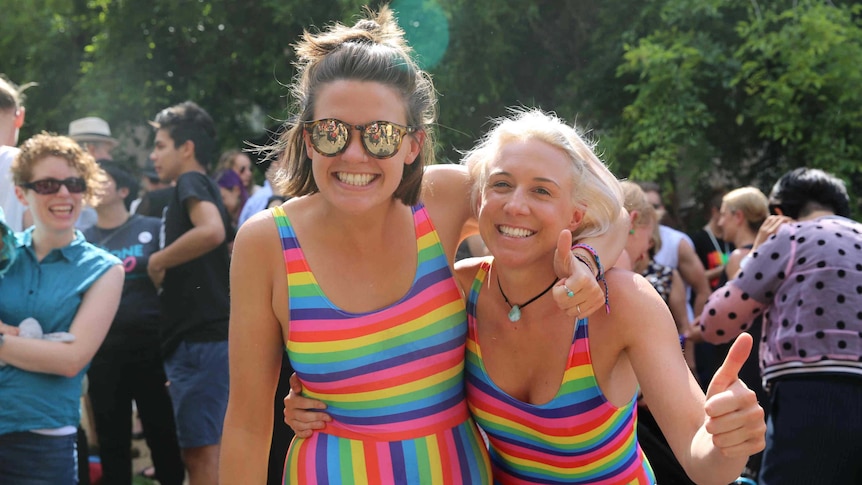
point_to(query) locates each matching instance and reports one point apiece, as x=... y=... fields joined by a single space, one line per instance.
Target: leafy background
x=696 y=94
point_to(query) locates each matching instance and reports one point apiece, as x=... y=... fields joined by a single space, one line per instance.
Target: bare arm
x=676 y=303
x=207 y=234
x=714 y=273
x=711 y=436
x=446 y=194
x=256 y=346
x=692 y=272
x=90 y=325
x=733 y=262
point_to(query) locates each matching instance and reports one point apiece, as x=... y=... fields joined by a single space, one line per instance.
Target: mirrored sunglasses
x=75 y=185
x=381 y=139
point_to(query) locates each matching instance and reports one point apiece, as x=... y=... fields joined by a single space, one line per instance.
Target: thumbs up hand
x=734 y=419
x=576 y=279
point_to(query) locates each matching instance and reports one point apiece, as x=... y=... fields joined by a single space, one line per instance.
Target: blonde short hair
x=751 y=202
x=597 y=193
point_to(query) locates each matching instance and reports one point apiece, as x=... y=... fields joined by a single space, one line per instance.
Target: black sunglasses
x=381 y=139
x=75 y=185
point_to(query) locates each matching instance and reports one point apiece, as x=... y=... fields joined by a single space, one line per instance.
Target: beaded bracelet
x=601 y=271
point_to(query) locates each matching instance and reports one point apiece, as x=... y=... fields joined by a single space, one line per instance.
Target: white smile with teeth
x=358 y=179
x=514 y=231
x=62 y=209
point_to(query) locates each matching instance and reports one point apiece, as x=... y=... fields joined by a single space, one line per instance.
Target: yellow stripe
x=357 y=451
x=424 y=321
x=434 y=461
x=427 y=240
x=300 y=278
x=577 y=372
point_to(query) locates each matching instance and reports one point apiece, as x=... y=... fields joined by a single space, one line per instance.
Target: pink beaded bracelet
x=601 y=270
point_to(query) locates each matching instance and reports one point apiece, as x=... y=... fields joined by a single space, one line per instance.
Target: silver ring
x=569 y=292
x=579 y=309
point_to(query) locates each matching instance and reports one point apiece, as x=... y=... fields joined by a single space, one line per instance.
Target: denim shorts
x=198 y=384
x=33 y=459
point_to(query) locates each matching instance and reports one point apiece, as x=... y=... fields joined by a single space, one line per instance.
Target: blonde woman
x=742 y=212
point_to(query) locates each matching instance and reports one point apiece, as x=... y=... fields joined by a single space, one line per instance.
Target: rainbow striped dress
x=576 y=438
x=393 y=379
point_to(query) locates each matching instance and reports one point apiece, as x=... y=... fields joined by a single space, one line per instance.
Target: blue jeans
x=32 y=459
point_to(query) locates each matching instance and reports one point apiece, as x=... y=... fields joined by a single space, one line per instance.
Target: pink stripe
x=292 y=254
x=452 y=451
x=384 y=461
x=412 y=429
x=387 y=318
x=549 y=426
x=563 y=461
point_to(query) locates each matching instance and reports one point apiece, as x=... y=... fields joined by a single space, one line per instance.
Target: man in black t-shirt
x=191 y=271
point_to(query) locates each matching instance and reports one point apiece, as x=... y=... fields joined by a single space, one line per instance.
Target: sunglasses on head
x=75 y=185
x=381 y=139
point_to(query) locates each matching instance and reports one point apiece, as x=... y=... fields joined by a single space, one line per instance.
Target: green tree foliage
x=801 y=74
x=126 y=60
x=686 y=92
x=742 y=90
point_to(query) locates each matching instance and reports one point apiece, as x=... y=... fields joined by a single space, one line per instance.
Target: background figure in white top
x=11 y=120
x=677 y=251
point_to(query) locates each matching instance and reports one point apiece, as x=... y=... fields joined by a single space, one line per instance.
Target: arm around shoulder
x=446 y=193
x=693 y=272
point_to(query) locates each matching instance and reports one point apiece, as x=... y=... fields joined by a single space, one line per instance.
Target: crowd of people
x=520 y=317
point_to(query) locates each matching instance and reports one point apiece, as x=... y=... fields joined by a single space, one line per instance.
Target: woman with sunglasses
x=66 y=285
x=353 y=275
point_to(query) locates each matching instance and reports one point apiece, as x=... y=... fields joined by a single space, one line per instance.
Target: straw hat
x=91 y=129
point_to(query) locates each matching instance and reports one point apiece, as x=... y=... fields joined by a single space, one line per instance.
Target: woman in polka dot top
x=806 y=279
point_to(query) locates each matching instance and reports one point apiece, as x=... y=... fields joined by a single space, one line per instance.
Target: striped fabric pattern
x=576 y=438
x=392 y=378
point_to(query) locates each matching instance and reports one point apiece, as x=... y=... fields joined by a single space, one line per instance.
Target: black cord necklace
x=515 y=310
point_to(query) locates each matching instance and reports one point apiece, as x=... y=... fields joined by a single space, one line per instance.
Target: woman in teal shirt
x=68 y=286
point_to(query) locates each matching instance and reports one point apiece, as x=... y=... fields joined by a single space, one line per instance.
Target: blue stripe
x=375 y=416
x=399 y=474
x=321 y=467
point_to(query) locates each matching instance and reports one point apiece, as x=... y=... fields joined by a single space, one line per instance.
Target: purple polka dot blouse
x=807 y=280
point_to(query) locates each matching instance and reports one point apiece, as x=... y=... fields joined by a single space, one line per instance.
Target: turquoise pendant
x=514 y=314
